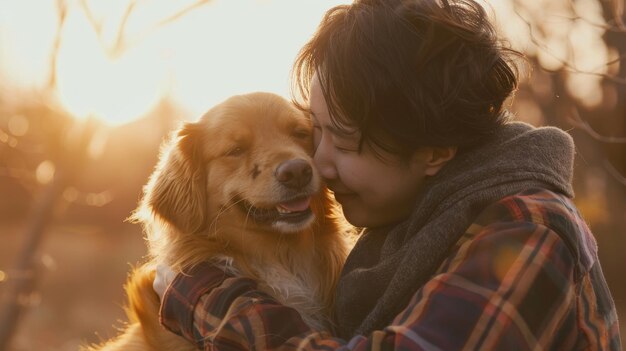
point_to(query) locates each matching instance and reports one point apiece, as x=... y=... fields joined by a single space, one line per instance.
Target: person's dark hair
x=416 y=72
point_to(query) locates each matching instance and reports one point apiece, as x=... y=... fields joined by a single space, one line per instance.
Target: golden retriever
x=238 y=188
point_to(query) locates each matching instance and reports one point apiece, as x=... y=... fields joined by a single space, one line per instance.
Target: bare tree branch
x=168 y=20
x=122 y=41
x=618 y=14
x=118 y=46
x=606 y=27
x=569 y=67
x=616 y=60
x=614 y=25
x=97 y=25
x=580 y=123
x=608 y=166
x=56 y=45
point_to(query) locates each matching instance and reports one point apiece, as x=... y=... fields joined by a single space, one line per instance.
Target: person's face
x=372 y=192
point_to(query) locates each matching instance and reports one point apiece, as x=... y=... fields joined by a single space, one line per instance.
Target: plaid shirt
x=524 y=276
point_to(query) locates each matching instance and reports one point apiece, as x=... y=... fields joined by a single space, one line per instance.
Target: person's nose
x=323 y=159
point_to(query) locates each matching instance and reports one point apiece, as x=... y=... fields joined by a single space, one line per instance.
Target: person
x=471 y=239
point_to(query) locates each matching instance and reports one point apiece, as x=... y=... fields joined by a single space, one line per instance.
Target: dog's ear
x=177 y=190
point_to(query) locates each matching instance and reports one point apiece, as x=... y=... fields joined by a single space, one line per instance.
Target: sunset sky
x=216 y=50
x=222 y=48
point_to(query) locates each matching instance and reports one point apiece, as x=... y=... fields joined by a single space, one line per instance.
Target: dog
x=238 y=188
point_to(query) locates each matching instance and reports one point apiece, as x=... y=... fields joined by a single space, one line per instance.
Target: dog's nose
x=294 y=174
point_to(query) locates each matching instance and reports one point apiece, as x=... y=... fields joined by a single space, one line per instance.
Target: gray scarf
x=388 y=265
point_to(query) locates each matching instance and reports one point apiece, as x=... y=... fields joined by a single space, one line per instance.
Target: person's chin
x=353 y=211
x=356 y=218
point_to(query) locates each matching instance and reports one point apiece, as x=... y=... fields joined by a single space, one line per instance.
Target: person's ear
x=434 y=158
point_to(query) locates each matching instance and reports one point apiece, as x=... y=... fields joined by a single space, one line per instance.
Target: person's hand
x=164 y=276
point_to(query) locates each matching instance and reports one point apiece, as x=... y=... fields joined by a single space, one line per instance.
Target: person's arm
x=510 y=287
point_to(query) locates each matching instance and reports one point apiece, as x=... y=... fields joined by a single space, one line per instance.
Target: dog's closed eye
x=301 y=133
x=235 y=151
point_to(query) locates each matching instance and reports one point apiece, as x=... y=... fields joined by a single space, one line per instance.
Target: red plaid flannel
x=524 y=276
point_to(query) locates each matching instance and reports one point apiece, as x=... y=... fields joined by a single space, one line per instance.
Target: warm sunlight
x=90 y=83
x=114 y=64
x=199 y=57
x=105 y=161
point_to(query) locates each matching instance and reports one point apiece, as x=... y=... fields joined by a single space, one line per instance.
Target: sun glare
x=116 y=91
x=93 y=83
x=200 y=58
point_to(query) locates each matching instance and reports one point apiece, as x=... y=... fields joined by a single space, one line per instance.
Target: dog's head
x=245 y=163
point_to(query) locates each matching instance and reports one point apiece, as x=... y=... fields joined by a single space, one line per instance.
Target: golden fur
x=214 y=197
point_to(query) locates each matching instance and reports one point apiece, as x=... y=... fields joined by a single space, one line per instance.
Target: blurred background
x=89 y=89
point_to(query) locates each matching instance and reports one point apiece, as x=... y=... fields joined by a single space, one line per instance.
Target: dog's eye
x=301 y=133
x=235 y=151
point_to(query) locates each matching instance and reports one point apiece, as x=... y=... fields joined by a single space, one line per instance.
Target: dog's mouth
x=293 y=211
